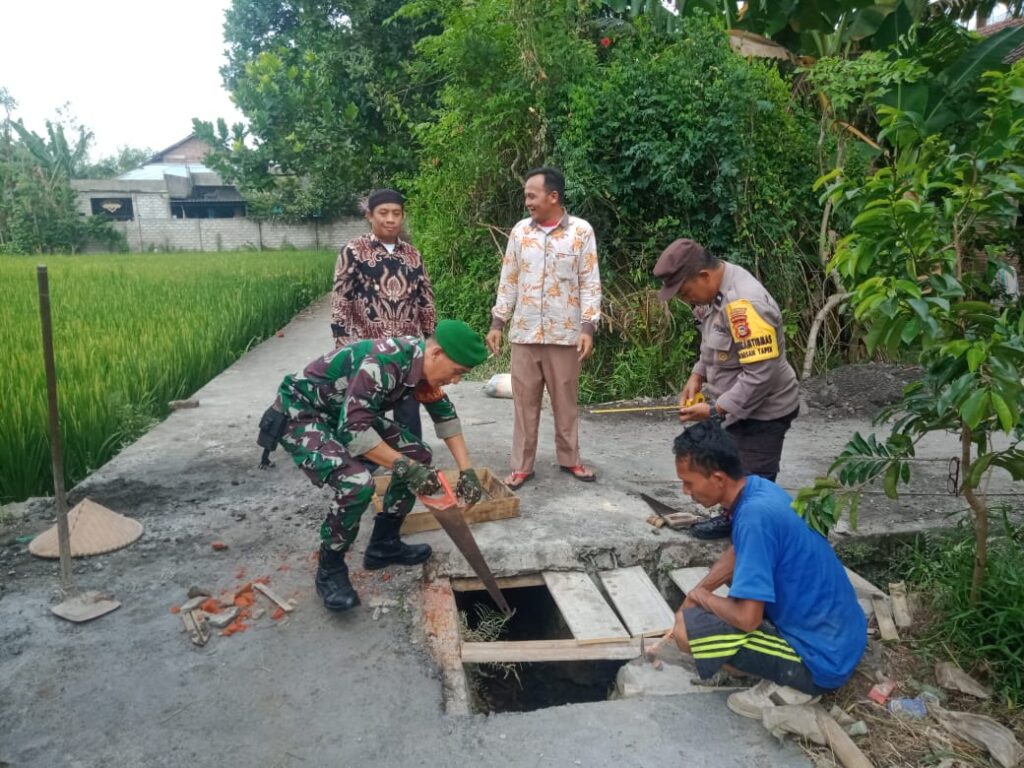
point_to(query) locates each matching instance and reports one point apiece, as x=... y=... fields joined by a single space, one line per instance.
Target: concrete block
x=642 y=679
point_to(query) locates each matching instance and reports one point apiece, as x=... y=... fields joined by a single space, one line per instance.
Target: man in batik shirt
x=550 y=290
x=381 y=288
x=336 y=425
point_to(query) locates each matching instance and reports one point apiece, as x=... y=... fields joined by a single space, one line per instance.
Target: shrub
x=988 y=633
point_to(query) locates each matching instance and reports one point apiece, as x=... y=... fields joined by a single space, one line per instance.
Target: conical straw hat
x=94 y=530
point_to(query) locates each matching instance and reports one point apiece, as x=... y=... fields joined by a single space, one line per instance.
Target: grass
x=131 y=332
x=986 y=638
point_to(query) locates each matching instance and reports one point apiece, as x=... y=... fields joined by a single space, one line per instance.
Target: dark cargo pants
x=326 y=461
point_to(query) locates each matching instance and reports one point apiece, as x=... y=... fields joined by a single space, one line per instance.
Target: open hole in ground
x=524 y=686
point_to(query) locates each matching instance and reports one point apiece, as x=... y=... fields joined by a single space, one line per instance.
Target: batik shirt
x=378 y=295
x=352 y=387
x=550 y=285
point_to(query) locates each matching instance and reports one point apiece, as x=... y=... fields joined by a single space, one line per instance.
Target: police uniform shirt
x=743 y=351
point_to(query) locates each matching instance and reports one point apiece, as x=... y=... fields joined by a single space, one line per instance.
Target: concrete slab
x=129 y=689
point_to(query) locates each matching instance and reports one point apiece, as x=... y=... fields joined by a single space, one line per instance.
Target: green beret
x=461 y=343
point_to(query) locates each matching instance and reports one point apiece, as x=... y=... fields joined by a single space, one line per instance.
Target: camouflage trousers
x=326 y=461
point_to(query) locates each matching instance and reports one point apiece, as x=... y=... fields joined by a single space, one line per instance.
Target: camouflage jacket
x=352 y=387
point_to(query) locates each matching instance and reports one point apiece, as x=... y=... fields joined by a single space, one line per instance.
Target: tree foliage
x=923 y=256
x=37 y=205
x=324 y=87
x=125 y=159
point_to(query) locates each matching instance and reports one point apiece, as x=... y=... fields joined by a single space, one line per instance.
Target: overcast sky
x=135 y=73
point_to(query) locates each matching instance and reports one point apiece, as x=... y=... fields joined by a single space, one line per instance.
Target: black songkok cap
x=382 y=196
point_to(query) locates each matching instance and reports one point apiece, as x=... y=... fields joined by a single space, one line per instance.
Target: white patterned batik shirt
x=550 y=286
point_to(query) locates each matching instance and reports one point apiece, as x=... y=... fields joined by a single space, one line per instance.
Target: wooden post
x=56 y=453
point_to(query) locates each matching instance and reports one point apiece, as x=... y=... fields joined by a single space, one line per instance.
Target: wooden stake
x=886 y=624
x=842 y=745
x=900 y=606
x=56 y=452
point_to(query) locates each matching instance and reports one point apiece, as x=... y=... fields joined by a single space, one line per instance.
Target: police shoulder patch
x=756 y=337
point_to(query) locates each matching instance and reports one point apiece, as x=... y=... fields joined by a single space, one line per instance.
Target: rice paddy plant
x=131 y=332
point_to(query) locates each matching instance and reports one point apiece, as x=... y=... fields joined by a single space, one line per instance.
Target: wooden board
x=504 y=582
x=688 y=578
x=863 y=587
x=867 y=606
x=498 y=502
x=900 y=606
x=526 y=651
x=584 y=609
x=638 y=601
x=883 y=614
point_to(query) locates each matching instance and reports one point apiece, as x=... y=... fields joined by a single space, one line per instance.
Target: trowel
x=450 y=516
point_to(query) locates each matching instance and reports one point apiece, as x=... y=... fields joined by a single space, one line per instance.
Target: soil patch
x=858 y=390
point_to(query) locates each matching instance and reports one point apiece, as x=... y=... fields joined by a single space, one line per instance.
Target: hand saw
x=674 y=518
x=451 y=519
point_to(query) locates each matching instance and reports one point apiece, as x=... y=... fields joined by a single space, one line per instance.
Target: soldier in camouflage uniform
x=335 y=423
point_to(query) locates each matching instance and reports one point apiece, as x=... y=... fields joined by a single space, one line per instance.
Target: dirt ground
x=129 y=689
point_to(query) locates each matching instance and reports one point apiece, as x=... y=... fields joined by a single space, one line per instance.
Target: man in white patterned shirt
x=550 y=290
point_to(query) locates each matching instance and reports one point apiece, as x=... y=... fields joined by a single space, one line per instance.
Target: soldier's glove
x=418 y=478
x=468 y=488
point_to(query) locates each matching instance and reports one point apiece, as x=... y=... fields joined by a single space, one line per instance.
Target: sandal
x=516 y=480
x=581 y=473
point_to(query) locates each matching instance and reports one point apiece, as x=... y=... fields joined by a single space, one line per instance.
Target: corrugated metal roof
x=156 y=171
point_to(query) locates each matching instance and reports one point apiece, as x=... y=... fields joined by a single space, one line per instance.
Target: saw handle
x=446 y=501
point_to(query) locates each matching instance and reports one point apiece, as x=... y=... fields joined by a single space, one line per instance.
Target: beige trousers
x=557 y=367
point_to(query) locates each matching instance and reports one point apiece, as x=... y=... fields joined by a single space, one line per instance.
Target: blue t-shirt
x=794 y=572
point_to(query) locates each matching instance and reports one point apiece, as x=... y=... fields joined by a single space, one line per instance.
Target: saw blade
x=660 y=508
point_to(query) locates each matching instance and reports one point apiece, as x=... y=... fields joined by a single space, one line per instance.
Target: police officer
x=333 y=425
x=753 y=389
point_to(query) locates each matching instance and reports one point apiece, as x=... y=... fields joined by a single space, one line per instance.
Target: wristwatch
x=715 y=415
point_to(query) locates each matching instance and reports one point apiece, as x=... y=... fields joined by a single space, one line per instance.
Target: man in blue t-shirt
x=791 y=616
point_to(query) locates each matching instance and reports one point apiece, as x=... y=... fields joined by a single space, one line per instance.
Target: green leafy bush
x=681 y=137
x=660 y=137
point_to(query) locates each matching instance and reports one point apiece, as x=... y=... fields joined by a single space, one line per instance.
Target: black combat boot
x=332 y=582
x=385 y=548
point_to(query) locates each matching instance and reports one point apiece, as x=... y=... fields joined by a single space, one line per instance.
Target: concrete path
x=130 y=690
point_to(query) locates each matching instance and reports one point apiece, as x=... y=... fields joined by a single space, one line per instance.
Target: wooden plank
x=843 y=746
x=867 y=606
x=883 y=614
x=271 y=595
x=583 y=607
x=688 y=578
x=638 y=601
x=498 y=502
x=526 y=651
x=900 y=606
x=504 y=582
x=863 y=587
x=441 y=628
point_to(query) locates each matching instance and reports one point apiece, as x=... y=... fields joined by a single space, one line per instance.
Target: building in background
x=174 y=202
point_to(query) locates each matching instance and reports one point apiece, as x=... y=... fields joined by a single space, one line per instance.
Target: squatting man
x=791 y=617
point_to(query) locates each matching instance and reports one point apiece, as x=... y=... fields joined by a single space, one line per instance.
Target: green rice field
x=131 y=332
